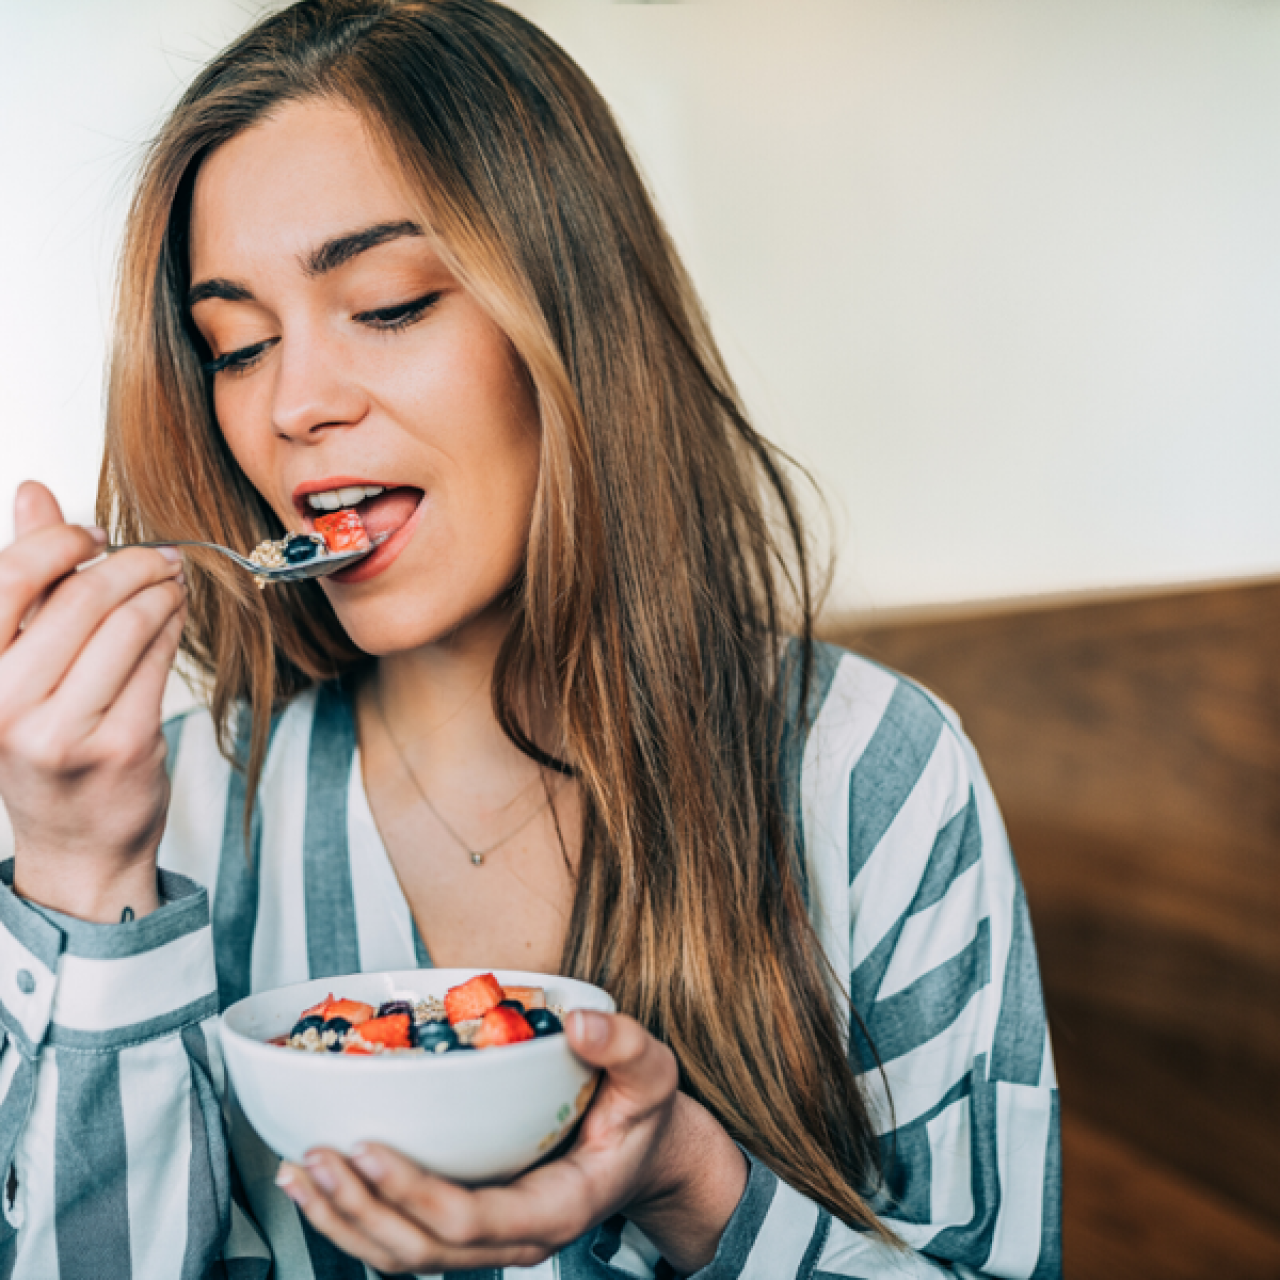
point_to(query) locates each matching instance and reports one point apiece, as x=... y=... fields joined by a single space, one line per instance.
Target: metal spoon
x=318 y=567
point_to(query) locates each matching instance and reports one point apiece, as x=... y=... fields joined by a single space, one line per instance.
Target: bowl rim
x=246 y=1043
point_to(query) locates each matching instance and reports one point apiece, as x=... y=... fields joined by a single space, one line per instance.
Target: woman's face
x=347 y=357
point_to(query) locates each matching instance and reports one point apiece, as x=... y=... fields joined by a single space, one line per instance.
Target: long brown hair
x=666 y=557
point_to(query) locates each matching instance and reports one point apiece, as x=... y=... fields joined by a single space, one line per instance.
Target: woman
x=395 y=255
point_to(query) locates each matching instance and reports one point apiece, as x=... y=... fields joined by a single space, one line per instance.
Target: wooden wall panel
x=1135 y=749
x=1132 y=1218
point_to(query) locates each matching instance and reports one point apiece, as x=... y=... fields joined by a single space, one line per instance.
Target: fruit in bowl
x=477 y=1014
x=474 y=1117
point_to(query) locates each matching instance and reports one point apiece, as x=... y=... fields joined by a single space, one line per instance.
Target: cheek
x=230 y=420
x=492 y=440
x=508 y=473
x=249 y=447
x=493 y=510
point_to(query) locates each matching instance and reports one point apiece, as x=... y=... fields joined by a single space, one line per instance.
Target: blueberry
x=543 y=1022
x=301 y=547
x=511 y=1004
x=315 y=1020
x=437 y=1037
x=339 y=1026
x=395 y=1006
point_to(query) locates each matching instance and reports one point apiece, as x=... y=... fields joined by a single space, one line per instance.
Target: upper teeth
x=333 y=499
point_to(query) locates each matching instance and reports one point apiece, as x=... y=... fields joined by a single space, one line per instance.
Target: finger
x=639 y=1067
x=38 y=661
x=547 y=1208
x=34 y=564
x=140 y=706
x=113 y=654
x=35 y=507
x=300 y=1186
x=363 y=1211
x=355 y=1217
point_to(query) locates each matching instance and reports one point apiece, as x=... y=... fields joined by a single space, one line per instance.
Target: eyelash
x=238 y=361
x=388 y=319
x=383 y=320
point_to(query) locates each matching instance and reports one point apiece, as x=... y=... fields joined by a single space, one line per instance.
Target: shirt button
x=26 y=983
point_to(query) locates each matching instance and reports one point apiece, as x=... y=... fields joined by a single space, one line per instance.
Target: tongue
x=385 y=514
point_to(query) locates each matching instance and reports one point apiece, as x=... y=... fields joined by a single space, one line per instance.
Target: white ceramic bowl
x=473 y=1117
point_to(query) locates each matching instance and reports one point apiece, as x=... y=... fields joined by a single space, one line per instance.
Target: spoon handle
x=178 y=542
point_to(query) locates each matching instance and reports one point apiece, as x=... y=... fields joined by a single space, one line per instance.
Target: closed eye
x=240 y=360
x=401 y=316
x=386 y=319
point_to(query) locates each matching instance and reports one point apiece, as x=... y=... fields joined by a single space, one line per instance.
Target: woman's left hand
x=644 y=1150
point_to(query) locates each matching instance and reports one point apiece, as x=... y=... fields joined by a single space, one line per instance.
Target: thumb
x=636 y=1062
x=34 y=507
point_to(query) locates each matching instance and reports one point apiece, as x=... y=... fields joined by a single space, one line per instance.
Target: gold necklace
x=477 y=856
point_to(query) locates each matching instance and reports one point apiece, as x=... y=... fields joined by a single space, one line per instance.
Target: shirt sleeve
x=112 y=1143
x=950 y=1036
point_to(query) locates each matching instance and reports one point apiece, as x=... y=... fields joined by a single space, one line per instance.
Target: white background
x=1005 y=275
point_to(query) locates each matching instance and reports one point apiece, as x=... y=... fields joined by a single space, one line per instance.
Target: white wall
x=82 y=83
x=1006 y=276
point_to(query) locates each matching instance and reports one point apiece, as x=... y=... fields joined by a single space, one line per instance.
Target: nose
x=313 y=393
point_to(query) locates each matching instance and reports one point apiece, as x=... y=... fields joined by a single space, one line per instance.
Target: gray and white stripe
x=112 y=1094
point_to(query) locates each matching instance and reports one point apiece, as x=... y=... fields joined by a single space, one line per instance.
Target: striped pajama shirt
x=122 y=1159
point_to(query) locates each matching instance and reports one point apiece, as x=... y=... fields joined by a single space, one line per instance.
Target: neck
x=437 y=701
x=425 y=689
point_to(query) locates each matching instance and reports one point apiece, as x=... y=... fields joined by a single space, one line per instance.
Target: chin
x=387 y=627
x=381 y=633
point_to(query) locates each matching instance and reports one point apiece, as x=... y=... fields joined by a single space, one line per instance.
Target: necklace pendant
x=477 y=859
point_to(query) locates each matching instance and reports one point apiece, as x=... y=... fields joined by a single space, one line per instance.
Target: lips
x=389 y=518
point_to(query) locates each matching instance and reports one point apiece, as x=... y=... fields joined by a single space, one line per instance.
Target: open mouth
x=383 y=509
x=388 y=513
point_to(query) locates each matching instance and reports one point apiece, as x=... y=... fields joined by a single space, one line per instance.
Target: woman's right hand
x=83 y=663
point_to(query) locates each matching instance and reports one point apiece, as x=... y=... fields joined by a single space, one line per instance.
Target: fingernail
x=98 y=535
x=287 y=1181
x=369 y=1165
x=170 y=553
x=322 y=1177
x=592 y=1028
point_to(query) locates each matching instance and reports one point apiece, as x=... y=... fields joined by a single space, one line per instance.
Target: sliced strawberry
x=392 y=1031
x=342 y=531
x=502 y=1026
x=354 y=1046
x=530 y=997
x=355 y=1011
x=317 y=1010
x=472 y=999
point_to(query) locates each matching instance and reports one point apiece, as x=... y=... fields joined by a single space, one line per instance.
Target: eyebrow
x=328 y=257
x=341 y=249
